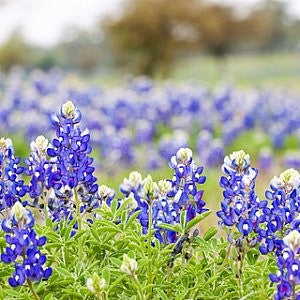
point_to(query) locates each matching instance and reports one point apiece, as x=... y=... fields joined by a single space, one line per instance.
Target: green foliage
x=205 y=269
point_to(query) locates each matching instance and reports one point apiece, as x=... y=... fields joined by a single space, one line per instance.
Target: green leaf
x=114 y=205
x=183 y=220
x=132 y=218
x=63 y=272
x=167 y=226
x=95 y=234
x=196 y=220
x=252 y=256
x=162 y=294
x=122 y=208
x=212 y=231
x=117 y=262
x=106 y=275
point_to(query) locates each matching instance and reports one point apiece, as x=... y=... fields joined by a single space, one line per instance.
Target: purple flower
x=23 y=247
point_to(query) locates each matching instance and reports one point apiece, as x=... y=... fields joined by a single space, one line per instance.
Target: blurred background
x=151 y=76
x=248 y=42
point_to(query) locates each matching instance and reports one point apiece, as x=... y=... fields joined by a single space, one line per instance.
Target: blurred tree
x=148 y=33
x=81 y=51
x=273 y=23
x=13 y=52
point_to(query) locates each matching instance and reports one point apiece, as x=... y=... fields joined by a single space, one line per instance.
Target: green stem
x=239 y=264
x=139 y=287
x=35 y=295
x=149 y=243
x=294 y=290
x=79 y=221
x=44 y=199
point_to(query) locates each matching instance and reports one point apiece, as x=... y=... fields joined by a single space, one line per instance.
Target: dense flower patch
x=65 y=237
x=145 y=123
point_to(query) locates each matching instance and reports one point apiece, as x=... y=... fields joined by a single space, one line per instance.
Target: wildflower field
x=217 y=218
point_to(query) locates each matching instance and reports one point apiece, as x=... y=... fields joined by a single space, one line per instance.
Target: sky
x=43 y=22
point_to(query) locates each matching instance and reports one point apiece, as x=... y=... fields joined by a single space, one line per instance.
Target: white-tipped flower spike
x=129 y=265
x=132 y=202
x=248 y=178
x=19 y=211
x=288 y=180
x=40 y=145
x=68 y=109
x=184 y=155
x=104 y=191
x=135 y=180
x=149 y=187
x=164 y=186
x=96 y=284
x=292 y=240
x=238 y=160
x=5 y=144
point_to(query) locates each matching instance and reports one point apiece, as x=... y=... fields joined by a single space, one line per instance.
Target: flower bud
x=129 y=265
x=19 y=211
x=288 y=180
x=164 y=186
x=96 y=284
x=292 y=240
x=5 y=144
x=149 y=187
x=184 y=155
x=104 y=191
x=238 y=160
x=68 y=109
x=40 y=145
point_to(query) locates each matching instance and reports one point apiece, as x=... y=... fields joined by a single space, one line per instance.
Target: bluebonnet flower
x=39 y=168
x=72 y=176
x=240 y=206
x=168 y=198
x=292 y=159
x=12 y=186
x=288 y=263
x=187 y=175
x=23 y=247
x=282 y=212
x=265 y=159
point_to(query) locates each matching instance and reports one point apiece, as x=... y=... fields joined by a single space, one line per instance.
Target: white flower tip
x=129 y=265
x=68 y=109
x=19 y=211
x=184 y=155
x=292 y=240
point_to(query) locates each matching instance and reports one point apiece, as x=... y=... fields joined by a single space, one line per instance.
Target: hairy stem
x=79 y=222
x=139 y=287
x=149 y=243
x=35 y=295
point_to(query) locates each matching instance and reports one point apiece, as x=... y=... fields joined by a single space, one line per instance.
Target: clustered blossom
x=72 y=174
x=184 y=184
x=168 y=198
x=282 y=212
x=23 y=247
x=12 y=187
x=288 y=263
x=40 y=170
x=240 y=206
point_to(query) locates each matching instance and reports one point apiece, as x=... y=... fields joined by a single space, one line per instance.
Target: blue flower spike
x=23 y=248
